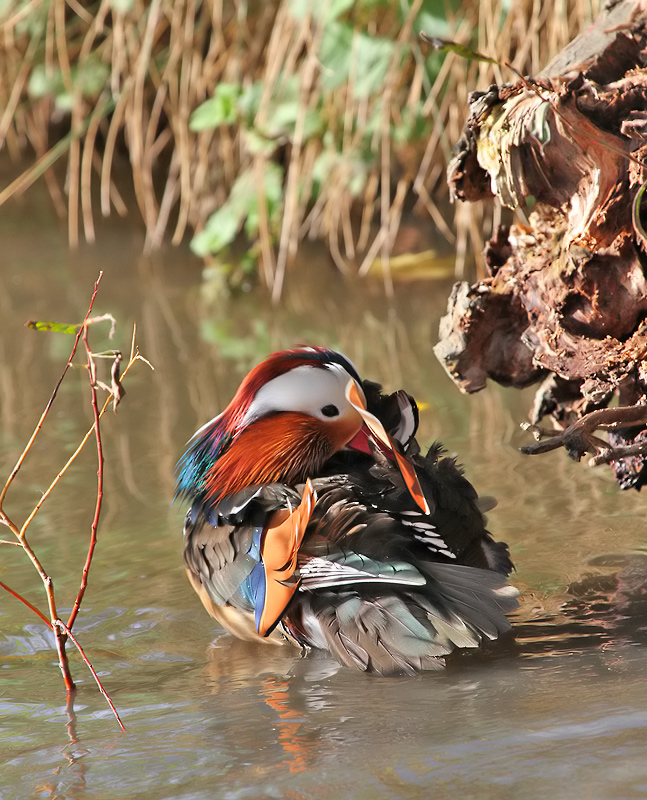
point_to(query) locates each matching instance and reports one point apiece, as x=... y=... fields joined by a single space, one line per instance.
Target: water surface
x=557 y=711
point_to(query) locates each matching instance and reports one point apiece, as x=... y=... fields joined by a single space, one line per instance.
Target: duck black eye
x=330 y=411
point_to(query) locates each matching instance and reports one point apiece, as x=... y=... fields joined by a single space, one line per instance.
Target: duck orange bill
x=377 y=429
x=279 y=547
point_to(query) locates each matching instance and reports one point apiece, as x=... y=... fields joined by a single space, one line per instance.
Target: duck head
x=291 y=413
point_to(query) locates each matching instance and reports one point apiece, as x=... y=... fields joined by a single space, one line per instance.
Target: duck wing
x=456 y=526
x=385 y=595
x=241 y=555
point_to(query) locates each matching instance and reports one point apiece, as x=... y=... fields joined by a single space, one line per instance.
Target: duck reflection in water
x=315 y=521
x=289 y=693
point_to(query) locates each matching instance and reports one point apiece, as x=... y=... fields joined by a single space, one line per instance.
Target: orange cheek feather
x=287 y=447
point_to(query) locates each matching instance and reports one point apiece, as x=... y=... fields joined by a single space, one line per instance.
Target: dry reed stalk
x=38 y=134
x=290 y=224
x=268 y=262
x=158 y=61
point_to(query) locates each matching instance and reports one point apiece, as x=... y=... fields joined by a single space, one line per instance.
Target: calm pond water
x=558 y=711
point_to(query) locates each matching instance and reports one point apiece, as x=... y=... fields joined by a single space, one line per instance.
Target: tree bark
x=565 y=298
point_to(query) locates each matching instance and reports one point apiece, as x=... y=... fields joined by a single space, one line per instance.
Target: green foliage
x=241 y=209
x=231 y=104
x=349 y=56
x=242 y=350
x=455 y=47
x=356 y=165
x=88 y=80
x=221 y=109
x=267 y=117
x=432 y=18
x=321 y=11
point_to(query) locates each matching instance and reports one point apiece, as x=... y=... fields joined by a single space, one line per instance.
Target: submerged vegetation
x=280 y=120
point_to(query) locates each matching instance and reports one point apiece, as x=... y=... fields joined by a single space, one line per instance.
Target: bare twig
x=609 y=454
x=115 y=391
x=99 y=502
x=67 y=632
x=26 y=602
x=23 y=455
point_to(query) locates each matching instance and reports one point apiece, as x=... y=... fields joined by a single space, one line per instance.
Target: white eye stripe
x=306 y=389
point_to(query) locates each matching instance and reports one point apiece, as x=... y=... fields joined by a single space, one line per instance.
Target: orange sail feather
x=279 y=547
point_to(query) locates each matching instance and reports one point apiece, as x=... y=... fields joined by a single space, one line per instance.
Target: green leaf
x=433 y=16
x=320 y=11
x=90 y=78
x=221 y=109
x=53 y=327
x=334 y=54
x=6 y=7
x=258 y=144
x=219 y=231
x=241 y=207
x=41 y=82
x=35 y=22
x=372 y=56
x=64 y=101
x=283 y=121
x=351 y=164
x=92 y=75
x=281 y=114
x=436 y=26
x=250 y=101
x=454 y=47
x=243 y=348
x=413 y=126
x=273 y=189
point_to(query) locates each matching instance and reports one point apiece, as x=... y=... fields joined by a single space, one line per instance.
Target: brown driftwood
x=565 y=300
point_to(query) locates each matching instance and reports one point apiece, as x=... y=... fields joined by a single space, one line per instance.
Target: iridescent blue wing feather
x=206 y=446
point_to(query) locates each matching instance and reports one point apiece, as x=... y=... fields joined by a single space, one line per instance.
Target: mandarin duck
x=315 y=520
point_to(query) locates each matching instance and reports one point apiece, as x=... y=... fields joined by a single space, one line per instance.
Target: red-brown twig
x=99 y=502
x=41 y=421
x=26 y=602
x=67 y=632
x=21 y=534
x=61 y=630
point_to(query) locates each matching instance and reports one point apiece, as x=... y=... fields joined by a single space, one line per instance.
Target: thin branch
x=615 y=453
x=99 y=502
x=72 y=458
x=60 y=629
x=23 y=455
x=67 y=632
x=26 y=602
